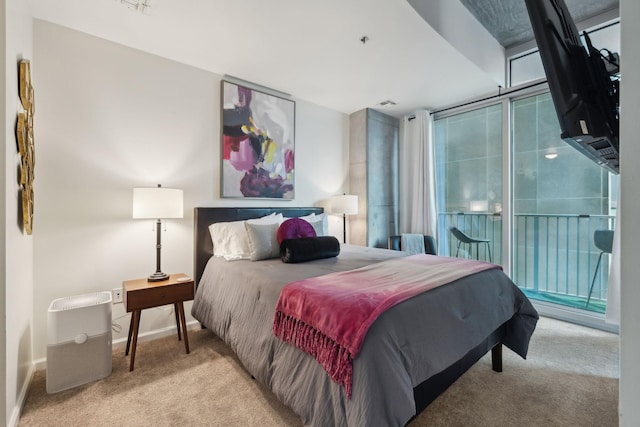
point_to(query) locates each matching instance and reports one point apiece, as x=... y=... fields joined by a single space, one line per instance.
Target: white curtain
x=417 y=176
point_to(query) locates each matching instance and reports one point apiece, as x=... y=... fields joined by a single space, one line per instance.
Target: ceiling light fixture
x=551 y=156
x=388 y=103
x=140 y=5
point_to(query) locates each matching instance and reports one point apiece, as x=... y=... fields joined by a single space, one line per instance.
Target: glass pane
x=560 y=198
x=526 y=68
x=469 y=181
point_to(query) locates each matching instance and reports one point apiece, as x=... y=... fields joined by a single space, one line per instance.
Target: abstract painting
x=258 y=136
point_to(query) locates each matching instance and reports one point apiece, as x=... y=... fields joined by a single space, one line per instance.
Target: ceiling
x=508 y=21
x=310 y=50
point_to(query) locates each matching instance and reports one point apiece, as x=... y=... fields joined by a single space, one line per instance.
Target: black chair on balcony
x=603 y=239
x=463 y=238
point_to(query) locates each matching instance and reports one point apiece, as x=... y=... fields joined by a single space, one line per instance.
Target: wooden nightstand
x=140 y=294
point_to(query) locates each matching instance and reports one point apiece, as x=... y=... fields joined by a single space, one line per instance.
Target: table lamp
x=157 y=203
x=345 y=204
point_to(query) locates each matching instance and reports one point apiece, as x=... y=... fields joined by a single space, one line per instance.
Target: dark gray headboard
x=203 y=217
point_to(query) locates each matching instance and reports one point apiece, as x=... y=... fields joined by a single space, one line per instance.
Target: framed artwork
x=258 y=144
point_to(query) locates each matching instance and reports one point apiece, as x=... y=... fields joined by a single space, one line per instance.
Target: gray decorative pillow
x=263 y=241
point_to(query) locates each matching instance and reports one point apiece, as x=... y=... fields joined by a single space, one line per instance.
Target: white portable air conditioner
x=79 y=340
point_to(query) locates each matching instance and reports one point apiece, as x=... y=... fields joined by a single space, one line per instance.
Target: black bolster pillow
x=309 y=248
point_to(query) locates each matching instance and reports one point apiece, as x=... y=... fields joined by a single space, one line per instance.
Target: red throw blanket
x=329 y=316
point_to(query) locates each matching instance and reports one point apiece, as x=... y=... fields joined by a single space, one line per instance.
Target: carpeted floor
x=569 y=379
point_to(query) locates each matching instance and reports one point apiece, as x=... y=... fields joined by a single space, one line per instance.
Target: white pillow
x=263 y=240
x=230 y=239
x=267 y=219
x=319 y=222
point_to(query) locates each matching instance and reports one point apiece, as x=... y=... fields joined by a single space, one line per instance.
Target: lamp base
x=158 y=276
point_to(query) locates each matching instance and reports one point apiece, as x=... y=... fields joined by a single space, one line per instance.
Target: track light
x=139 y=5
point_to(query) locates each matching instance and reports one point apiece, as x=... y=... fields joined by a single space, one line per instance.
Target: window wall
x=544 y=208
x=557 y=198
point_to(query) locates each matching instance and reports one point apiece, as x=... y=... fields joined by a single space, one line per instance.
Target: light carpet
x=570 y=378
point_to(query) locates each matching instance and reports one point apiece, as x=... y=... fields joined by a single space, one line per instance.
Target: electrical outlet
x=116 y=295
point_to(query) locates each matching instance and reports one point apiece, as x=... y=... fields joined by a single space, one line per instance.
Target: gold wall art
x=24 y=134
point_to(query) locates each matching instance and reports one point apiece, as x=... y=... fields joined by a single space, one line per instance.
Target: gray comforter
x=404 y=347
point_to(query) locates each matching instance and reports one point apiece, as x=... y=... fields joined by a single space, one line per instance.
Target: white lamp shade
x=345 y=204
x=157 y=203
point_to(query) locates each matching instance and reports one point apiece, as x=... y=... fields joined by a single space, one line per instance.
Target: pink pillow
x=294 y=228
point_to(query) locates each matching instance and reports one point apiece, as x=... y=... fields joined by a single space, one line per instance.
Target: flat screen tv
x=583 y=82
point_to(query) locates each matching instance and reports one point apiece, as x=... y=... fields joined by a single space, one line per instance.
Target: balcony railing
x=554 y=256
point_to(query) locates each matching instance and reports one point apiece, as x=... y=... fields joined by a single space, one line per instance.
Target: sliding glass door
x=560 y=198
x=469 y=181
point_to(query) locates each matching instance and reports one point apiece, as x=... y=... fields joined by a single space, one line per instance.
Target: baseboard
x=573 y=315
x=155 y=334
x=22 y=397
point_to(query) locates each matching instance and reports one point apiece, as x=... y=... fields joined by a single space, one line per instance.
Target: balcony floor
x=595 y=305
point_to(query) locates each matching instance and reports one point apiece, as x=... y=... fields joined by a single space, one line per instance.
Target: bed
x=410 y=355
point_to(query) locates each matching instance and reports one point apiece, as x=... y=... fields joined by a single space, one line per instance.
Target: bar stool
x=603 y=239
x=463 y=238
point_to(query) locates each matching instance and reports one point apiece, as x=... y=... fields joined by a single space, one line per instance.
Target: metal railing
x=552 y=254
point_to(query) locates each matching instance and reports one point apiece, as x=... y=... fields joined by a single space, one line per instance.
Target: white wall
x=110 y=118
x=3 y=214
x=19 y=246
x=629 y=209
